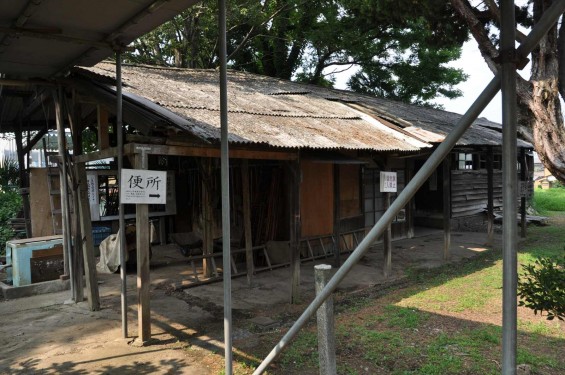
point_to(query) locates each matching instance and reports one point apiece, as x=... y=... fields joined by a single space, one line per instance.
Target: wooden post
x=294 y=201
x=387 y=241
x=92 y=293
x=490 y=196
x=410 y=206
x=326 y=322
x=67 y=246
x=103 y=128
x=337 y=217
x=446 y=207
x=523 y=174
x=74 y=184
x=142 y=247
x=24 y=182
x=207 y=216
x=247 y=221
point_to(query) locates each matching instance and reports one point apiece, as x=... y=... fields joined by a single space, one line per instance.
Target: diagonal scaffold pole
x=547 y=20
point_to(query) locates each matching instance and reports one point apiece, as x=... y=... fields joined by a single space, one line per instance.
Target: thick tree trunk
x=539 y=112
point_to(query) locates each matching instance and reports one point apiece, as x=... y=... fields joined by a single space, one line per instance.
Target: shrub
x=542 y=287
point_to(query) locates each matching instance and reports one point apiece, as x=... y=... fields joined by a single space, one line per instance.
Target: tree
x=400 y=48
x=540 y=119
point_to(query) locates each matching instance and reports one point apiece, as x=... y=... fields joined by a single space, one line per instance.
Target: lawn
x=442 y=321
x=548 y=200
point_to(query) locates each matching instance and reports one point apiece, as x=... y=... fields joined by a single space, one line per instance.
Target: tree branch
x=487 y=48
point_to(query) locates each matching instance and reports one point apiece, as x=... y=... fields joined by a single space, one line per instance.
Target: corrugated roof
x=262 y=110
x=280 y=113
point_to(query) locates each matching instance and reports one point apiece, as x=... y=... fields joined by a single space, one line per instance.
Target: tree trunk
x=540 y=120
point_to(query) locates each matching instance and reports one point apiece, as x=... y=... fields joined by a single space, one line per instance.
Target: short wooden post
x=446 y=208
x=490 y=196
x=142 y=247
x=294 y=201
x=387 y=241
x=247 y=221
x=325 y=318
x=523 y=174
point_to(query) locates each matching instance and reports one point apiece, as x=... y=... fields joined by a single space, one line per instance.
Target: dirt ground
x=46 y=334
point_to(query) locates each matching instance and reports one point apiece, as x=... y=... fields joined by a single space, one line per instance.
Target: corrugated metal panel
x=261 y=110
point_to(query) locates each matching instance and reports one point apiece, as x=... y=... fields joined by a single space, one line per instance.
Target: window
x=496 y=161
x=464 y=161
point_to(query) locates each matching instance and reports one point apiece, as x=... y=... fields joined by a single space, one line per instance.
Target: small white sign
x=92 y=184
x=388 y=182
x=139 y=186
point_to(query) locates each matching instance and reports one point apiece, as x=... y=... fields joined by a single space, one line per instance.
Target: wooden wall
x=469 y=192
x=316 y=199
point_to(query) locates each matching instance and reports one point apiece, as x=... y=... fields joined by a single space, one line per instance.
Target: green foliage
x=10 y=205
x=549 y=200
x=9 y=174
x=542 y=287
x=399 y=48
x=10 y=199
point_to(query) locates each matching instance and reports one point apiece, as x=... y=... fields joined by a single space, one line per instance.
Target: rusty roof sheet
x=262 y=110
x=281 y=113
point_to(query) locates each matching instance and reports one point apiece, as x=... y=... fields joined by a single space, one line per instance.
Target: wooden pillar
x=84 y=242
x=337 y=217
x=67 y=246
x=490 y=196
x=294 y=195
x=387 y=241
x=142 y=247
x=523 y=178
x=103 y=128
x=446 y=207
x=92 y=292
x=207 y=216
x=410 y=206
x=247 y=221
x=24 y=182
x=77 y=262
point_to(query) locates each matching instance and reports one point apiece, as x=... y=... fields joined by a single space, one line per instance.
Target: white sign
x=92 y=185
x=388 y=182
x=139 y=186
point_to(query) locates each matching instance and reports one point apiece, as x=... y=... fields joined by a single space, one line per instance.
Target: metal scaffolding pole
x=121 y=220
x=549 y=17
x=509 y=181
x=225 y=175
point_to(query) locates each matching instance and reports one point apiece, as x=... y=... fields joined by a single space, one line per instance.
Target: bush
x=542 y=287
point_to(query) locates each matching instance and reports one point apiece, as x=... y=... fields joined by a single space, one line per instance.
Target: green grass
x=443 y=321
x=547 y=200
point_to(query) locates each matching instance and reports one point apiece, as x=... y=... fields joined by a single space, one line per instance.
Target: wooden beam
x=36 y=138
x=247 y=221
x=294 y=203
x=143 y=275
x=35 y=104
x=98 y=155
x=446 y=207
x=103 y=129
x=53 y=34
x=210 y=152
x=490 y=196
